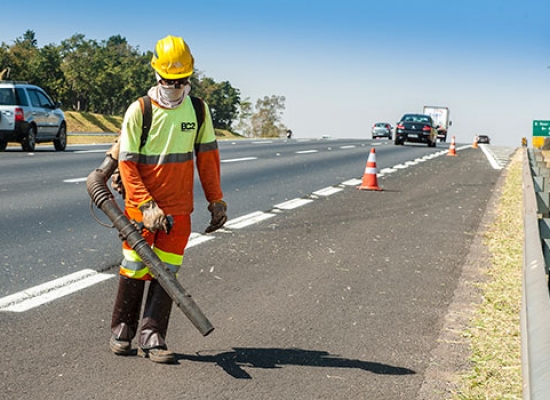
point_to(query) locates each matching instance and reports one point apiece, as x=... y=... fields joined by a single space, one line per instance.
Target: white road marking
x=196 y=239
x=247 y=220
x=352 y=182
x=327 y=191
x=75 y=180
x=307 y=151
x=292 y=204
x=49 y=291
x=91 y=151
x=490 y=156
x=239 y=159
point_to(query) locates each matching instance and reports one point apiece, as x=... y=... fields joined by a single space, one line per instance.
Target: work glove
x=217 y=210
x=153 y=217
x=116 y=183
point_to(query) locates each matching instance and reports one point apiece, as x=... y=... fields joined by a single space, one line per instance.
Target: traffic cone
x=370 y=180
x=475 y=146
x=452 y=148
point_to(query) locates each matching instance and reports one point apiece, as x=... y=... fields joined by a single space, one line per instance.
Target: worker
x=157 y=177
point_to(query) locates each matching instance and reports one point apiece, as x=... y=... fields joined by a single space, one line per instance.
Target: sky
x=341 y=65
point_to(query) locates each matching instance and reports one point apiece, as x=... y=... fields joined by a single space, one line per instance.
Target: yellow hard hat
x=172 y=58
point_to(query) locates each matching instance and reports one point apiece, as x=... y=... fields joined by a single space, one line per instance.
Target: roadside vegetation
x=105 y=126
x=104 y=77
x=494 y=333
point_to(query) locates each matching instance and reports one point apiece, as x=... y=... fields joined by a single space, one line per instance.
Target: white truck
x=440 y=116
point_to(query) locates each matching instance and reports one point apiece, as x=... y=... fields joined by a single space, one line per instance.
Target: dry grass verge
x=494 y=333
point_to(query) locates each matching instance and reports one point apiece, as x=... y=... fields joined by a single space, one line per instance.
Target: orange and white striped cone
x=475 y=146
x=370 y=180
x=452 y=148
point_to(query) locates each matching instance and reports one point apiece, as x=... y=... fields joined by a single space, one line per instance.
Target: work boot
x=154 y=324
x=125 y=317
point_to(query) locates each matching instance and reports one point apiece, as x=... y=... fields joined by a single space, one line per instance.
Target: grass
x=494 y=333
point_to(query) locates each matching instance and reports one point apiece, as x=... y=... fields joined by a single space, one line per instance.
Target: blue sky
x=343 y=65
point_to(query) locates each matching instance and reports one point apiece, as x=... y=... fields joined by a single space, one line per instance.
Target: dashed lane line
x=50 y=291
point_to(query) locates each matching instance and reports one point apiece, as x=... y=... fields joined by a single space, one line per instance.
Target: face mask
x=169 y=96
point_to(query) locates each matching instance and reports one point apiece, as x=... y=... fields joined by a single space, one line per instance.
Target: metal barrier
x=535 y=310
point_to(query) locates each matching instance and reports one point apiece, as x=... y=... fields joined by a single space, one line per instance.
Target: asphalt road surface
x=343 y=297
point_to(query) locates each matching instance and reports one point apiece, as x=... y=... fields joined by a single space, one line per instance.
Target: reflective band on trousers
x=133 y=267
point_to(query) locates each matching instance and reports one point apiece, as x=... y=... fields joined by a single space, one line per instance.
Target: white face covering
x=168 y=96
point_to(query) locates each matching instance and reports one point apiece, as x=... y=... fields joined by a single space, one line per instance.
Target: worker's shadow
x=233 y=361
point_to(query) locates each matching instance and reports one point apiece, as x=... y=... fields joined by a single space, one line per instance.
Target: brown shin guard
x=154 y=325
x=125 y=316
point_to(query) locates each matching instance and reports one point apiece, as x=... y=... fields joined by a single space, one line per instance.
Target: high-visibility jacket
x=163 y=169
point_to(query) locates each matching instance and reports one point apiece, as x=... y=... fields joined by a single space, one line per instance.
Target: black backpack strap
x=147 y=110
x=198 y=105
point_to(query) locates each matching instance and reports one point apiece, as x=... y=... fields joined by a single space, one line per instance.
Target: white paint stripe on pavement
x=352 y=182
x=49 y=291
x=239 y=159
x=75 y=180
x=247 y=220
x=490 y=156
x=307 y=151
x=196 y=239
x=91 y=151
x=292 y=204
x=328 y=191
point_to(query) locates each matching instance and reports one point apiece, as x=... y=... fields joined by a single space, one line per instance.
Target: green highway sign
x=541 y=128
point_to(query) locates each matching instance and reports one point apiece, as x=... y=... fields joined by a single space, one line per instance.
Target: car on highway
x=483 y=139
x=416 y=128
x=381 y=130
x=29 y=116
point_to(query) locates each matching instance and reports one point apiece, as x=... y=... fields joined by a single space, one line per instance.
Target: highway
x=342 y=296
x=46 y=208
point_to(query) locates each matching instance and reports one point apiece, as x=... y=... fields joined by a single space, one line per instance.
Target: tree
x=243 y=124
x=23 y=58
x=223 y=100
x=105 y=77
x=79 y=69
x=266 y=121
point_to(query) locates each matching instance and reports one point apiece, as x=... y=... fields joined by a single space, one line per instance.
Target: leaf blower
x=102 y=197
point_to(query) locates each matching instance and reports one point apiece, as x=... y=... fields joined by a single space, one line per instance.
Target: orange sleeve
x=208 y=167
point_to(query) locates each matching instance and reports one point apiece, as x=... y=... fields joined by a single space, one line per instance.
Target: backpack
x=147 y=110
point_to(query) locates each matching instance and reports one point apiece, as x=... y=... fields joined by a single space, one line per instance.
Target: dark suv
x=29 y=116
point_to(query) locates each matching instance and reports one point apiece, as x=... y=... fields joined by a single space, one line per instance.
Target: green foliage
x=105 y=77
x=266 y=122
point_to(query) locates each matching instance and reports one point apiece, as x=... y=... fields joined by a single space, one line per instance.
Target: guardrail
x=535 y=310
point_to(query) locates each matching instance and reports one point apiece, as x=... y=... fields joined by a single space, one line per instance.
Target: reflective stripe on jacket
x=163 y=168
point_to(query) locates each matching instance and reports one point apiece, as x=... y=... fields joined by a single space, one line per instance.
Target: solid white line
x=292 y=204
x=91 y=151
x=239 y=159
x=49 y=291
x=247 y=220
x=490 y=156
